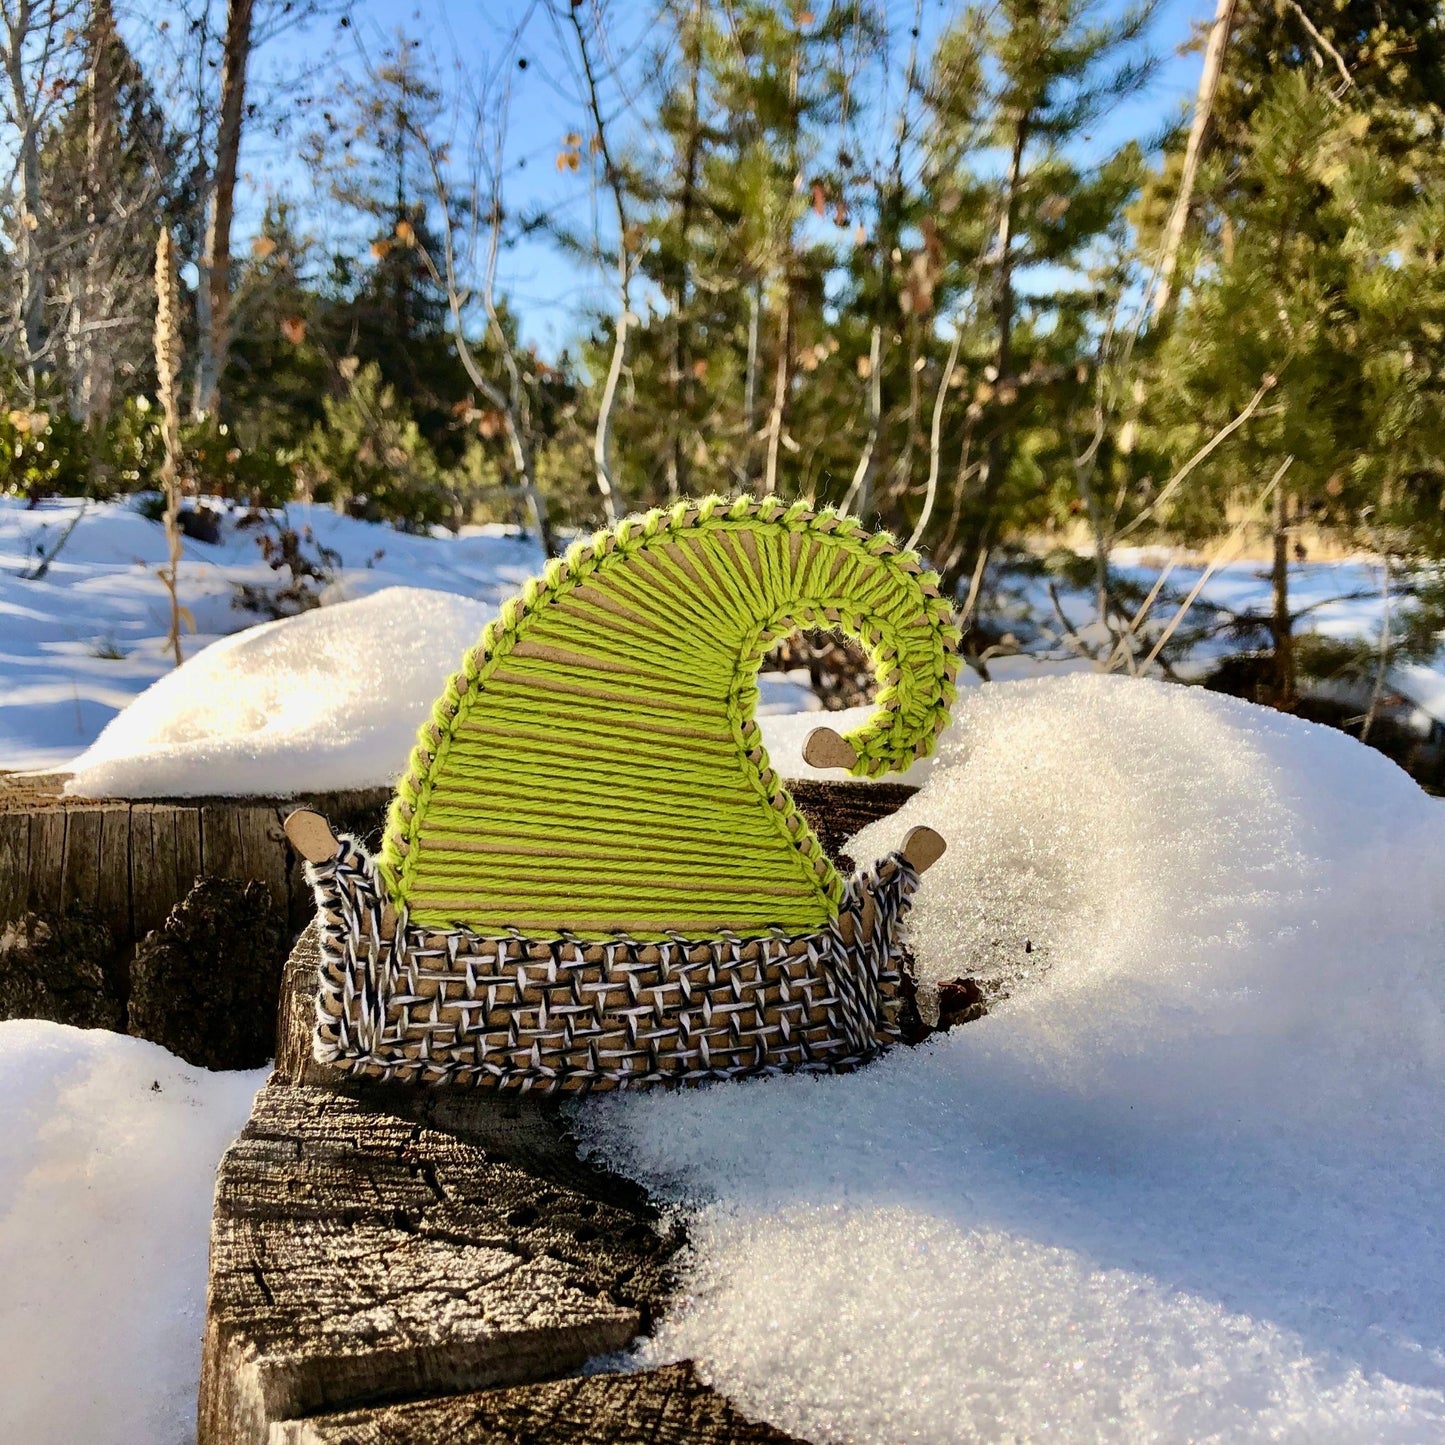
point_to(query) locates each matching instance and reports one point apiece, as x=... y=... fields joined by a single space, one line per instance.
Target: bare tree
x=485 y=205
x=213 y=295
x=628 y=243
x=679 y=371
x=466 y=204
x=168 y=373
x=201 y=53
x=40 y=59
x=109 y=166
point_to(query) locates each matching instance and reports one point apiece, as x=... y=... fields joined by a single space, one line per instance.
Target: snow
x=81 y=644
x=327 y=700
x=77 y=645
x=1183 y=1184
x=107 y=1160
x=1423 y=685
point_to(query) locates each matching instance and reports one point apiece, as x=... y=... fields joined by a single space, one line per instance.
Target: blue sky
x=464 y=39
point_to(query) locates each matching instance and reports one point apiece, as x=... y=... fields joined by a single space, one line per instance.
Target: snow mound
x=1184 y=1183
x=330 y=699
x=107 y=1164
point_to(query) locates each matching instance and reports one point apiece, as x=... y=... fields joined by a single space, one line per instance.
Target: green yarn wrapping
x=595 y=767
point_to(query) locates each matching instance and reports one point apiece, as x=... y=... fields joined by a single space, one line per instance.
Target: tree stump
x=411 y=1265
x=132 y=862
x=56 y=969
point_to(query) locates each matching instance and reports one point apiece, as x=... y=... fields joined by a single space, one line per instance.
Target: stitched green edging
x=614 y=778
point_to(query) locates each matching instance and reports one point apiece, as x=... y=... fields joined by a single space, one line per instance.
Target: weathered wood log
x=55 y=969
x=204 y=984
x=669 y=1406
x=132 y=862
x=357 y=1256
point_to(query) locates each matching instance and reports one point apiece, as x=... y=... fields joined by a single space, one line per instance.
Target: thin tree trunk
x=783 y=372
x=28 y=241
x=859 y=498
x=995 y=459
x=1203 y=106
x=213 y=297
x=602 y=438
x=782 y=375
x=681 y=349
x=750 y=385
x=1281 y=624
x=168 y=373
x=97 y=363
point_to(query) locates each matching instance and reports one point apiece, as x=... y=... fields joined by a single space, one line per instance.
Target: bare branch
x=1216 y=562
x=1184 y=472
x=935 y=438
x=858 y=499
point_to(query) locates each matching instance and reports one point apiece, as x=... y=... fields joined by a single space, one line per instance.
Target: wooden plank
x=80 y=868
x=14 y=865
x=221 y=843
x=148 y=855
x=188 y=849
x=358 y=1256
x=263 y=850
x=112 y=899
x=153 y=866
x=47 y=858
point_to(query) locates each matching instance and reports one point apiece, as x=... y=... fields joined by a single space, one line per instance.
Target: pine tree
x=1022 y=218
x=1315 y=263
x=286 y=343
x=748 y=96
x=389 y=303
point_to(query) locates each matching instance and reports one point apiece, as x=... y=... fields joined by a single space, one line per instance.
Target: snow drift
x=107 y=1165
x=1184 y=1183
x=330 y=699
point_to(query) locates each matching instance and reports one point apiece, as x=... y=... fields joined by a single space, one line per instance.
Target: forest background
x=977 y=273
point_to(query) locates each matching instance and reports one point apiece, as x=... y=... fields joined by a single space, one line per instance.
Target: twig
x=935 y=439
x=1070 y=637
x=858 y=490
x=1215 y=562
x=602 y=440
x=1384 y=660
x=1125 y=643
x=1203 y=106
x=38 y=571
x=168 y=370
x=1325 y=45
x=1182 y=475
x=974 y=586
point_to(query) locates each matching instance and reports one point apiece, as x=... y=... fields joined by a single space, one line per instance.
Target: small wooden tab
x=311 y=836
x=923 y=848
x=824 y=748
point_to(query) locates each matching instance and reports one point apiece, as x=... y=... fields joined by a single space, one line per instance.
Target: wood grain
x=670 y=1406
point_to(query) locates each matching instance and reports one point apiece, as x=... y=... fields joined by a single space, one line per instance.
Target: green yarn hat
x=595 y=767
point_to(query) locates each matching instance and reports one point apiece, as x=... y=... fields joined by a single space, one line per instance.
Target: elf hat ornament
x=590 y=876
